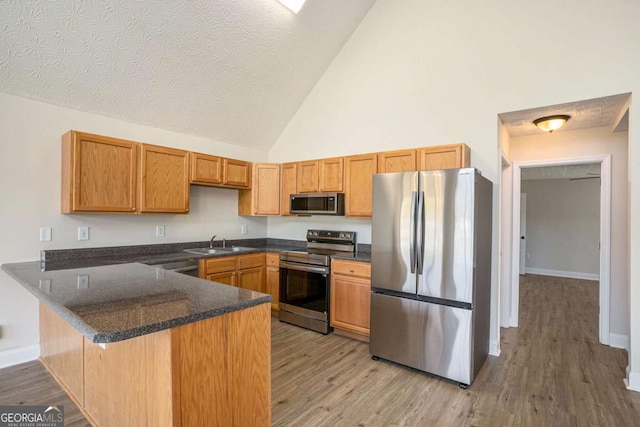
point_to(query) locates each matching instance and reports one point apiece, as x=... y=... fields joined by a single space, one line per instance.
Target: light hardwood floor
x=552 y=372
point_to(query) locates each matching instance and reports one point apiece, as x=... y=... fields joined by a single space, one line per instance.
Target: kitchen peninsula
x=136 y=345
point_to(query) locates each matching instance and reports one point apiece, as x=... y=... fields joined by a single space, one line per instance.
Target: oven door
x=304 y=289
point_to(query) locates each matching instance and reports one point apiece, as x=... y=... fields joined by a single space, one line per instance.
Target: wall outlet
x=45 y=285
x=244 y=229
x=159 y=230
x=45 y=234
x=159 y=274
x=83 y=233
x=83 y=282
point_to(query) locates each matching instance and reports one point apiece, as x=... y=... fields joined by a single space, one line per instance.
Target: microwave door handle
x=412 y=232
x=420 y=232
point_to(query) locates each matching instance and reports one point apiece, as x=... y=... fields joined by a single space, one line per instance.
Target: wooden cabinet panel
x=98 y=173
x=359 y=172
x=237 y=173
x=351 y=298
x=288 y=186
x=252 y=279
x=331 y=172
x=264 y=196
x=164 y=180
x=397 y=161
x=62 y=351
x=226 y=278
x=249 y=261
x=218 y=265
x=273 y=280
x=308 y=176
x=206 y=169
x=444 y=157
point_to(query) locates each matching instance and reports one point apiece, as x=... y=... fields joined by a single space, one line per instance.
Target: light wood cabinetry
x=99 y=174
x=213 y=372
x=164 y=180
x=351 y=298
x=273 y=280
x=206 y=169
x=264 y=196
x=237 y=173
x=444 y=157
x=397 y=161
x=324 y=175
x=288 y=186
x=243 y=271
x=359 y=172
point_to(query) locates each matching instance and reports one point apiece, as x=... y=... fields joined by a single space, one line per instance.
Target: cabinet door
x=444 y=157
x=350 y=300
x=288 y=187
x=252 y=279
x=164 y=180
x=308 y=176
x=273 y=286
x=237 y=173
x=205 y=169
x=227 y=278
x=331 y=171
x=359 y=172
x=397 y=161
x=264 y=196
x=98 y=173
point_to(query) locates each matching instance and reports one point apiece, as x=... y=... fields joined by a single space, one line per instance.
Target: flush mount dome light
x=551 y=123
x=293 y=5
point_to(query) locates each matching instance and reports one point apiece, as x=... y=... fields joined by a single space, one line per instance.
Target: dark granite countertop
x=117 y=302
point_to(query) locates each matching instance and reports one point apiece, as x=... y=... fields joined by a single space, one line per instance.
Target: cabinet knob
x=226 y=182
x=186 y=210
x=351 y=270
x=133 y=209
x=255 y=212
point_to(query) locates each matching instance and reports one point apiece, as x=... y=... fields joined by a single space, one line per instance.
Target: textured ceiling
x=591 y=113
x=562 y=172
x=231 y=70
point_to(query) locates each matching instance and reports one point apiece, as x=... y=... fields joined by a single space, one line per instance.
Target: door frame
x=605 y=233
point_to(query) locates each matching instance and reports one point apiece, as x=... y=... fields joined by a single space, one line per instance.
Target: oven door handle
x=306 y=268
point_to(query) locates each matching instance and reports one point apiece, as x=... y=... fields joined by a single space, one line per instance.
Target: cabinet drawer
x=273 y=260
x=219 y=265
x=351 y=268
x=249 y=261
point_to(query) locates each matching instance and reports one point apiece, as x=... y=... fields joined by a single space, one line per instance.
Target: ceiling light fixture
x=551 y=123
x=293 y=5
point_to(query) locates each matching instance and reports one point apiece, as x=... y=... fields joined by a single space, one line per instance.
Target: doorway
x=605 y=232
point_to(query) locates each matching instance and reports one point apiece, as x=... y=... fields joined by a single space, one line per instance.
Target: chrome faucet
x=211 y=241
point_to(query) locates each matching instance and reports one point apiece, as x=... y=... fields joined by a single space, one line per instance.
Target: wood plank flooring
x=552 y=372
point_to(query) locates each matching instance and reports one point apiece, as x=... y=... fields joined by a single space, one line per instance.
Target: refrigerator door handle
x=412 y=232
x=420 y=232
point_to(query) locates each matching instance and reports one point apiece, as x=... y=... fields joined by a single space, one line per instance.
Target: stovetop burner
x=321 y=244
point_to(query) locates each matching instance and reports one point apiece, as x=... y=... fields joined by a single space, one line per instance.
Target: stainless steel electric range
x=305 y=278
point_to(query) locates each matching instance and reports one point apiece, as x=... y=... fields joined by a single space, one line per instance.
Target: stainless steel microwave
x=317 y=204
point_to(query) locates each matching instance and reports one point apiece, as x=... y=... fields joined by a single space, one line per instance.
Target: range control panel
x=345 y=237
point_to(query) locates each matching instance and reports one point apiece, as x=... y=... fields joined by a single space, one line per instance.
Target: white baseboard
x=619 y=341
x=493 y=348
x=19 y=355
x=560 y=273
x=632 y=382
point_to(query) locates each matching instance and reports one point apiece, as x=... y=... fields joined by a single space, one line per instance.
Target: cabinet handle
x=351 y=270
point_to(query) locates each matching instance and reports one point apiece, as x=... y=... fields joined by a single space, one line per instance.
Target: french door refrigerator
x=431 y=271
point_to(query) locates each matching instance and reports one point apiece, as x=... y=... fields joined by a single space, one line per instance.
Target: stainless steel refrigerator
x=431 y=271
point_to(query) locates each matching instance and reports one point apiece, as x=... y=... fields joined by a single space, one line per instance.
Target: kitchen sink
x=206 y=251
x=238 y=249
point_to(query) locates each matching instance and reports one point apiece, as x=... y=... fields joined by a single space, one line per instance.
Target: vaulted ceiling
x=234 y=71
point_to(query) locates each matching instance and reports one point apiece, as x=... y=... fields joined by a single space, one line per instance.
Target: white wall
x=419 y=73
x=563 y=227
x=584 y=143
x=30 y=173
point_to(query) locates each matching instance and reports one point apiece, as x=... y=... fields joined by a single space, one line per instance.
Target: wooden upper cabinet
x=330 y=174
x=164 y=179
x=264 y=196
x=308 y=176
x=237 y=173
x=359 y=172
x=98 y=173
x=397 y=161
x=444 y=157
x=289 y=178
x=206 y=169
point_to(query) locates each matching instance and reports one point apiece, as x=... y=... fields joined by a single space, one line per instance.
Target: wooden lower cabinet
x=351 y=298
x=273 y=281
x=215 y=372
x=243 y=271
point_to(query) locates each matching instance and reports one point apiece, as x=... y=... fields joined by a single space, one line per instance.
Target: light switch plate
x=244 y=229
x=83 y=233
x=83 y=282
x=45 y=234
x=159 y=230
